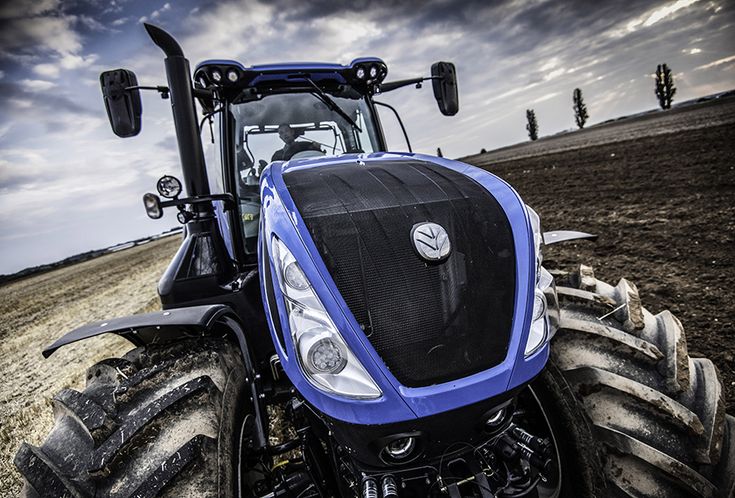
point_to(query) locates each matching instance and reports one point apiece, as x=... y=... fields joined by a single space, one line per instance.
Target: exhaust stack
x=185 y=116
x=202 y=266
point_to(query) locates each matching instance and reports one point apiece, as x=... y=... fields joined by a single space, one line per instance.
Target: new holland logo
x=431 y=241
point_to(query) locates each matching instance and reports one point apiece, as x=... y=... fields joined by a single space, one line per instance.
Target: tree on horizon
x=665 y=89
x=580 y=110
x=532 y=125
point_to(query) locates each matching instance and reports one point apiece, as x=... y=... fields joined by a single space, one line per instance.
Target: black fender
x=148 y=328
x=177 y=323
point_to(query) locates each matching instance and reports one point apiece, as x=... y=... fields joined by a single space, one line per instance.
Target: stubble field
x=38 y=309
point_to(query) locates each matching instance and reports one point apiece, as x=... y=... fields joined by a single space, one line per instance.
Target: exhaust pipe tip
x=164 y=40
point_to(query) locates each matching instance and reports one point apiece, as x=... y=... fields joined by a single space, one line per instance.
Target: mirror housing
x=122 y=101
x=444 y=81
x=153 y=207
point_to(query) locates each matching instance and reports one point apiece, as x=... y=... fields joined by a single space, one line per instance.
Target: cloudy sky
x=67 y=184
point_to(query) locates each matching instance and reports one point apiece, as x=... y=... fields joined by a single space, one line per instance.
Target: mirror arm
x=228 y=199
x=392 y=85
x=163 y=90
x=202 y=93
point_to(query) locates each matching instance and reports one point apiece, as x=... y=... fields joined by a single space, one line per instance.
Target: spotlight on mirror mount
x=169 y=187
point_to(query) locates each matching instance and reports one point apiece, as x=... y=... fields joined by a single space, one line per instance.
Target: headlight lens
x=326 y=356
x=539 y=324
x=539 y=305
x=323 y=354
x=537 y=334
x=538 y=236
x=295 y=278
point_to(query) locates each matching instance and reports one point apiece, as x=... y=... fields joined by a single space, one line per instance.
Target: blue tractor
x=341 y=320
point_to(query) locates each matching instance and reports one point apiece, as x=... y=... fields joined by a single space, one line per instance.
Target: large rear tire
x=162 y=420
x=653 y=417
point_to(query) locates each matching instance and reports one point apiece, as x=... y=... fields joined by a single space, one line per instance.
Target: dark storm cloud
x=556 y=18
x=412 y=11
x=13 y=10
x=38 y=34
x=520 y=27
x=9 y=183
x=51 y=30
x=46 y=103
x=11 y=180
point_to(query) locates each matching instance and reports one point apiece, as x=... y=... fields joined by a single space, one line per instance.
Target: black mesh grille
x=429 y=322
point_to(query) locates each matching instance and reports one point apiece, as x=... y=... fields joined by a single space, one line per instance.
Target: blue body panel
x=279 y=220
x=398 y=402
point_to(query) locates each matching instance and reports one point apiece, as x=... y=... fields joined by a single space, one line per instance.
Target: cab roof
x=363 y=74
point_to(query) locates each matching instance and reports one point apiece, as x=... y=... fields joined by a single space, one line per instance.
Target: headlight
x=323 y=354
x=539 y=324
x=400 y=449
x=537 y=334
x=538 y=236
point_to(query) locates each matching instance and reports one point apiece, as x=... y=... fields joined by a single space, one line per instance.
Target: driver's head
x=287 y=133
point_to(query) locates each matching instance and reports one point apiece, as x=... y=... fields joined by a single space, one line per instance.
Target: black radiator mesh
x=429 y=322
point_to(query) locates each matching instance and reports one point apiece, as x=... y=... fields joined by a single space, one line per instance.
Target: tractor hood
x=426 y=268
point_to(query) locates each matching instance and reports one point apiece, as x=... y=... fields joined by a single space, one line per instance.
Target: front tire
x=648 y=419
x=162 y=420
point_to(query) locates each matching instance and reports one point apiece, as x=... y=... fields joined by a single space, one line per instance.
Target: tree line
x=664 y=90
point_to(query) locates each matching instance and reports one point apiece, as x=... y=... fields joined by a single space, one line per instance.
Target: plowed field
x=659 y=190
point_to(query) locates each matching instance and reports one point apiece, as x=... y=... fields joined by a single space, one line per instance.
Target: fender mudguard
x=176 y=324
x=149 y=327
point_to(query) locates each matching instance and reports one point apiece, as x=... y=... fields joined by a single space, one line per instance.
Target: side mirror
x=445 y=87
x=122 y=101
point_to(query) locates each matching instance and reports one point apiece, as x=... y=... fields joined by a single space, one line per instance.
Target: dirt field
x=659 y=190
x=38 y=309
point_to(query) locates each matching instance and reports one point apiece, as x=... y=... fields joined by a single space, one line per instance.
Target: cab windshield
x=285 y=127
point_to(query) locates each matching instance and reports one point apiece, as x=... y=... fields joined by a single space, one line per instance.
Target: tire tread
x=141 y=421
x=659 y=412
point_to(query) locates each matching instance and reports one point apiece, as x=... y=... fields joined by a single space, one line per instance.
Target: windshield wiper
x=331 y=104
x=333 y=147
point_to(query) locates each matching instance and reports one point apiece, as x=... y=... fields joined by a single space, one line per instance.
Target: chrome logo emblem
x=431 y=241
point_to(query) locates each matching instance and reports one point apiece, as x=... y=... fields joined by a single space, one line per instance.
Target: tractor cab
x=288 y=112
x=291 y=111
x=256 y=115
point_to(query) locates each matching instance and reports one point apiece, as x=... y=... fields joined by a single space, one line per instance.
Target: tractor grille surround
x=429 y=322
